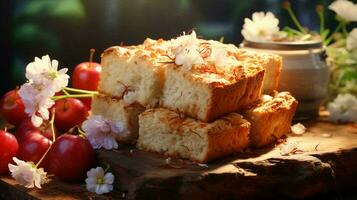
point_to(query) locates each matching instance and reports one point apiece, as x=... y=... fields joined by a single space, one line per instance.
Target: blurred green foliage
x=67 y=29
x=30 y=31
x=63 y=9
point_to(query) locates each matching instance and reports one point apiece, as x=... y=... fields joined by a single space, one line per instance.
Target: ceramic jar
x=304 y=72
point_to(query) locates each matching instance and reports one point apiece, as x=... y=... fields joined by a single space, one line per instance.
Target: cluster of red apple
x=71 y=155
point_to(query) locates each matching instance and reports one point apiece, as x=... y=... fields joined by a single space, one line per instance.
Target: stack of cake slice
x=182 y=97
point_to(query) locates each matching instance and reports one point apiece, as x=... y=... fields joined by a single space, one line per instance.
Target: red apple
x=69 y=113
x=86 y=76
x=70 y=157
x=33 y=147
x=26 y=128
x=9 y=147
x=12 y=107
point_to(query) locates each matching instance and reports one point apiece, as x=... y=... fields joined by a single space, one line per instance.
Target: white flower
x=298 y=129
x=186 y=53
x=43 y=82
x=261 y=28
x=37 y=102
x=43 y=72
x=98 y=181
x=351 y=41
x=343 y=108
x=26 y=174
x=102 y=132
x=345 y=9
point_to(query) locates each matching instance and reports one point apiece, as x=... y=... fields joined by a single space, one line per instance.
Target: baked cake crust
x=173 y=134
x=147 y=74
x=270 y=118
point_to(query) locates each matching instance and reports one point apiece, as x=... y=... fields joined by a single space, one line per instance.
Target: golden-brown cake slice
x=202 y=78
x=270 y=118
x=173 y=134
x=208 y=96
x=219 y=85
x=133 y=74
x=270 y=62
x=117 y=110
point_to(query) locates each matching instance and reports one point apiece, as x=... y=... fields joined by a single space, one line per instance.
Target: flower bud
x=319 y=8
x=286 y=4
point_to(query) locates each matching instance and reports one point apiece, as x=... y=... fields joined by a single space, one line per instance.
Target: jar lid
x=300 y=45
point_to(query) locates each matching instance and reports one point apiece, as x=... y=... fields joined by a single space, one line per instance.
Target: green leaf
x=292 y=31
x=325 y=33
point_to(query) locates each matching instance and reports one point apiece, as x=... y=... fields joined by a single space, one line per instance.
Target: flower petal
x=109 y=178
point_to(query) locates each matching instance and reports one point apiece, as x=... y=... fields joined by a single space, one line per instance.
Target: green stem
x=52 y=122
x=53 y=137
x=221 y=39
x=81 y=132
x=295 y=20
x=65 y=91
x=344 y=30
x=55 y=98
x=329 y=39
x=80 y=91
x=107 y=168
x=322 y=22
x=293 y=31
x=43 y=156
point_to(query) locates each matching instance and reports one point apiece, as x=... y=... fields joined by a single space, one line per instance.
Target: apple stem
x=80 y=91
x=91 y=56
x=53 y=137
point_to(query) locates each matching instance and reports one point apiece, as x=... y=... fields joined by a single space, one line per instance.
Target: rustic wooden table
x=323 y=165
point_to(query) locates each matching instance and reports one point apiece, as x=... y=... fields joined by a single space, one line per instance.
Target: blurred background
x=67 y=29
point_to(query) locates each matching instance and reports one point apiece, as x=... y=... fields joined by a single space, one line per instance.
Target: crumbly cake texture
x=173 y=134
x=270 y=118
x=225 y=81
x=117 y=110
x=132 y=73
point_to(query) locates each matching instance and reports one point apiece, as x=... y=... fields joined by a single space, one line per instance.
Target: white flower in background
x=298 y=129
x=186 y=53
x=343 y=108
x=351 y=42
x=26 y=174
x=261 y=27
x=98 y=181
x=102 y=132
x=345 y=9
x=43 y=82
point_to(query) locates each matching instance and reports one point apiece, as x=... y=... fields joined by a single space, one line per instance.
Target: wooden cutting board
x=323 y=165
